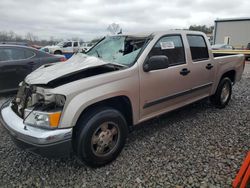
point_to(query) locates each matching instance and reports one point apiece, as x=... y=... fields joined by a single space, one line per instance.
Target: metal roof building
x=235 y=32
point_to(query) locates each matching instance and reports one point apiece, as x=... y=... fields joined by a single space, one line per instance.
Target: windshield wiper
x=97 y=53
x=118 y=65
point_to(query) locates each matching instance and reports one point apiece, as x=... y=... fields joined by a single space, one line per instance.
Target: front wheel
x=223 y=93
x=101 y=136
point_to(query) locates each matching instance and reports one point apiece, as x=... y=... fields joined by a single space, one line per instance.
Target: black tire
x=218 y=99
x=58 y=52
x=86 y=129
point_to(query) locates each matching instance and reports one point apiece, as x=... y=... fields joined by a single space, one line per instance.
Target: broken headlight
x=47 y=120
x=59 y=100
x=45 y=112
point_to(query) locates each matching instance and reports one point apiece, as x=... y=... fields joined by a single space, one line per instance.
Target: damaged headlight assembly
x=47 y=120
x=46 y=115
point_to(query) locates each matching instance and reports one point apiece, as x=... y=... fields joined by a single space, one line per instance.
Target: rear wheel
x=223 y=93
x=101 y=136
x=58 y=52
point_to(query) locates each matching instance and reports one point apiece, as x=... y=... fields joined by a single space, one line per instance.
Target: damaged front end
x=32 y=120
x=37 y=107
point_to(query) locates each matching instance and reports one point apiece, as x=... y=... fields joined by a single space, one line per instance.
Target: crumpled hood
x=49 y=72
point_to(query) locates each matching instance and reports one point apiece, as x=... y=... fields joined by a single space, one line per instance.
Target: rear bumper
x=50 y=143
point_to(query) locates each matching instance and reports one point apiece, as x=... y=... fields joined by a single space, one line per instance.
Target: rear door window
x=12 y=54
x=172 y=47
x=5 y=54
x=198 y=47
x=18 y=54
x=75 y=44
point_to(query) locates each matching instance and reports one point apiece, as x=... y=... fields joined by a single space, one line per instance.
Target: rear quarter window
x=29 y=54
x=12 y=54
x=198 y=47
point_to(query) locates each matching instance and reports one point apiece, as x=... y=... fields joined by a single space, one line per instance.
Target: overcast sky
x=89 y=18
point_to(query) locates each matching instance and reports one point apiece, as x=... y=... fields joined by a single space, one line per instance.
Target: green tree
x=202 y=28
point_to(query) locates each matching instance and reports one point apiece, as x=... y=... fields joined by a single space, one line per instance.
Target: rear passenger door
x=201 y=66
x=165 y=89
x=26 y=61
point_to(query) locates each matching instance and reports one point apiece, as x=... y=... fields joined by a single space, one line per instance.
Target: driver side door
x=165 y=89
x=68 y=48
x=76 y=46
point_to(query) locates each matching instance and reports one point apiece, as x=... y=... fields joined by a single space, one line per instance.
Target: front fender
x=81 y=101
x=52 y=50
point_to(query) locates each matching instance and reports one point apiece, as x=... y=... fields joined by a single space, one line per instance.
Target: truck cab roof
x=160 y=33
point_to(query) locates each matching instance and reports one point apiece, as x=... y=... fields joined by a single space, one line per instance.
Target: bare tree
x=11 y=35
x=75 y=38
x=18 y=38
x=31 y=37
x=4 y=36
x=114 y=28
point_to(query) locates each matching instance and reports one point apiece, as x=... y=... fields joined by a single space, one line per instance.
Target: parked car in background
x=36 y=46
x=67 y=48
x=222 y=47
x=86 y=46
x=16 y=62
x=247 y=48
x=14 y=43
x=22 y=44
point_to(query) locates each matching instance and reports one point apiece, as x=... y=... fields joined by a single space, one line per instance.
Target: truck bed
x=230 y=62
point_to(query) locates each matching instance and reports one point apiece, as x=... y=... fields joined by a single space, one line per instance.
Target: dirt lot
x=196 y=146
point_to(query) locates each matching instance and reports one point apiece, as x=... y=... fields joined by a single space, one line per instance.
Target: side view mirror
x=156 y=62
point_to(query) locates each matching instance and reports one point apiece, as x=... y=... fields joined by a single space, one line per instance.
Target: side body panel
x=143 y=88
x=98 y=88
x=225 y=64
x=200 y=83
x=202 y=78
x=161 y=90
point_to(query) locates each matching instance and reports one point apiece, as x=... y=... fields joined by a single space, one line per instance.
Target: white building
x=235 y=32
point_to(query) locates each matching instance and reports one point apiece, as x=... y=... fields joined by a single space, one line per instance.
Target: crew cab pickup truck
x=67 y=48
x=88 y=104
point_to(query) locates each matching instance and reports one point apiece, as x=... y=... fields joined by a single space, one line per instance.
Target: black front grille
x=21 y=100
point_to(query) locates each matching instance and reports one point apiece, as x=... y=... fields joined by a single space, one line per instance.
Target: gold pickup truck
x=87 y=104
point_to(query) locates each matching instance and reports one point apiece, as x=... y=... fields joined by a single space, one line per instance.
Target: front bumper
x=48 y=143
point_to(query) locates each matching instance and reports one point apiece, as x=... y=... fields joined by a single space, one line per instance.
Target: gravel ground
x=196 y=146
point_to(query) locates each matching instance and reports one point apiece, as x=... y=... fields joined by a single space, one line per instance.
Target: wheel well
x=120 y=103
x=230 y=75
x=58 y=51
